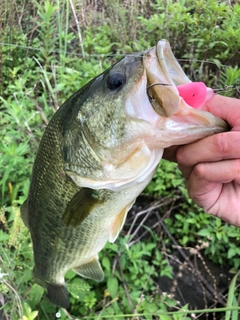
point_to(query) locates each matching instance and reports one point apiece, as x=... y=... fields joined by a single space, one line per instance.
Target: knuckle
x=222 y=143
x=199 y=170
x=180 y=155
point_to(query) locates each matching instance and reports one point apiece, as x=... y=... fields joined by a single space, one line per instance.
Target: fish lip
x=164 y=74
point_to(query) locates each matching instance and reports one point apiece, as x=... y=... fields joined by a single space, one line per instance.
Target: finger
x=215 y=172
x=216 y=188
x=215 y=148
x=170 y=153
x=226 y=108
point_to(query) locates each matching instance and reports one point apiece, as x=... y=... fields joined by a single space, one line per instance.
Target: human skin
x=211 y=166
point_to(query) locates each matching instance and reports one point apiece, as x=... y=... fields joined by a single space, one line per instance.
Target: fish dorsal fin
x=58 y=295
x=91 y=270
x=119 y=222
x=24 y=213
x=80 y=207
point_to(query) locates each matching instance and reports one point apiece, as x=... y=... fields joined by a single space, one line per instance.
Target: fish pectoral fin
x=80 y=207
x=119 y=222
x=91 y=270
x=58 y=295
x=24 y=213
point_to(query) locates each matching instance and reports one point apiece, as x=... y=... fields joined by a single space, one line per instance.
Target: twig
x=149 y=210
x=207 y=285
x=78 y=28
x=146 y=231
x=152 y=207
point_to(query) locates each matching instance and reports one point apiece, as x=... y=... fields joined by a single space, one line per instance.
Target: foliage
x=167 y=179
x=51 y=48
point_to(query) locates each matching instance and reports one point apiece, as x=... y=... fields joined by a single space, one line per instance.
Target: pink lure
x=195 y=94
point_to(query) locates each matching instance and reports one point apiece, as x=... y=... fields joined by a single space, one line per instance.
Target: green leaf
x=219 y=235
x=185 y=240
x=204 y=232
x=26 y=308
x=33 y=315
x=4 y=236
x=231 y=253
x=78 y=288
x=70 y=274
x=35 y=295
x=106 y=263
x=112 y=285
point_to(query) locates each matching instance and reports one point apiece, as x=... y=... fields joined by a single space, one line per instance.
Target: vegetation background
x=48 y=50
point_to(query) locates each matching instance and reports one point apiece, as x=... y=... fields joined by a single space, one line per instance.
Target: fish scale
x=97 y=154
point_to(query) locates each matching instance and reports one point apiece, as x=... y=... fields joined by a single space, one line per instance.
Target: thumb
x=225 y=108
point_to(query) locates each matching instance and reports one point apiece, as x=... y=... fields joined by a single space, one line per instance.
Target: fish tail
x=58 y=295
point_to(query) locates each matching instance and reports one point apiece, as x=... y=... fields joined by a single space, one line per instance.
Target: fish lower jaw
x=181 y=136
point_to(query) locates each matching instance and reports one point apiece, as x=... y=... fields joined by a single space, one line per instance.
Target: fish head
x=127 y=116
x=160 y=101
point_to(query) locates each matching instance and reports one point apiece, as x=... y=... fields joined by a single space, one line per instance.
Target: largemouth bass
x=97 y=154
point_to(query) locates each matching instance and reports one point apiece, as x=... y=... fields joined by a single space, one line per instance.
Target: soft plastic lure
x=195 y=94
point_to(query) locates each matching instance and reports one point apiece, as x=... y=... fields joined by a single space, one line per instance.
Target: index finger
x=214 y=148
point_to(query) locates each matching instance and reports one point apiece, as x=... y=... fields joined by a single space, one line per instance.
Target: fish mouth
x=164 y=76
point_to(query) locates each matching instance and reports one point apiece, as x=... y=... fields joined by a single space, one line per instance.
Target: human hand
x=211 y=166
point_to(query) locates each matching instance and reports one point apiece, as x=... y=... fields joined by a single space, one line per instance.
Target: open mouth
x=172 y=94
x=168 y=84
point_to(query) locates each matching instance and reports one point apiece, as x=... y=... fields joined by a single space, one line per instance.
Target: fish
x=98 y=153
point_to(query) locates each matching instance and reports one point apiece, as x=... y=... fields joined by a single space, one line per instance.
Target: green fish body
x=97 y=154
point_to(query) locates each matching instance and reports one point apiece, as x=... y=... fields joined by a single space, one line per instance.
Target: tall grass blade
x=231 y=301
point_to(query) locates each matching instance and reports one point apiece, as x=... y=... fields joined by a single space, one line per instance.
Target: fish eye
x=115 y=81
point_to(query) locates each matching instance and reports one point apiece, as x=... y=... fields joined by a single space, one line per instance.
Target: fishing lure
x=196 y=94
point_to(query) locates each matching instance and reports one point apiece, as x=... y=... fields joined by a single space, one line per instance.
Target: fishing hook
x=156 y=84
x=226 y=88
